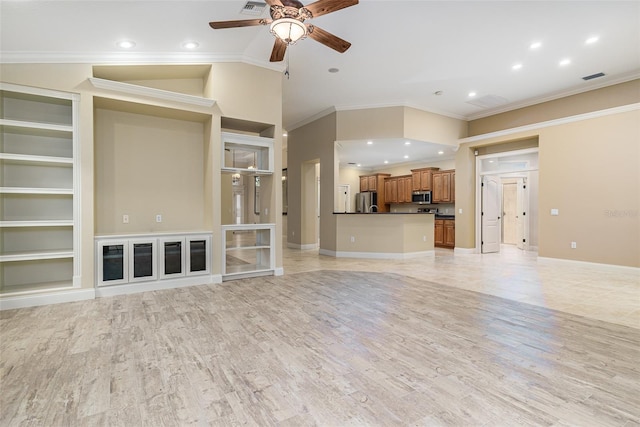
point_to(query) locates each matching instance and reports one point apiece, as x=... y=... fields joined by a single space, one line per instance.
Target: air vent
x=489 y=101
x=593 y=76
x=254 y=8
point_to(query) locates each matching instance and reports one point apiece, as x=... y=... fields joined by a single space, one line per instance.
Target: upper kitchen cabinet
x=373 y=182
x=39 y=249
x=422 y=179
x=443 y=187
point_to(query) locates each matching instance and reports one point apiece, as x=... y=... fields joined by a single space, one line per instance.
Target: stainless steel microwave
x=421 y=197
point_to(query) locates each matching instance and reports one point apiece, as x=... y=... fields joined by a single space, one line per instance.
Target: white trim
x=278 y=271
x=307 y=247
x=554 y=122
x=10 y=87
x=10 y=303
x=133 y=288
x=165 y=95
x=612 y=267
x=377 y=255
x=464 y=251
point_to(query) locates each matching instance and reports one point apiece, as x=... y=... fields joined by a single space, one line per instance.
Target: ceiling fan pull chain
x=286 y=70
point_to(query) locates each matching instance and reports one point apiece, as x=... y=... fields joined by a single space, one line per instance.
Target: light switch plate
x=158 y=218
x=555 y=212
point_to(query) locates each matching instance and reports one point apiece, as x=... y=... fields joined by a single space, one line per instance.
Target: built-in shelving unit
x=247 y=154
x=39 y=190
x=249 y=250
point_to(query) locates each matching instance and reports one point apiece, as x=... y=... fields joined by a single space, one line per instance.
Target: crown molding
x=555 y=122
x=129 y=58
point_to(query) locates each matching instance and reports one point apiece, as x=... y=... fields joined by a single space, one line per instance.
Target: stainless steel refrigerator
x=367 y=202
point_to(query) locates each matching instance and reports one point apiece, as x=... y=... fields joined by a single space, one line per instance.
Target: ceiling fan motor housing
x=300 y=13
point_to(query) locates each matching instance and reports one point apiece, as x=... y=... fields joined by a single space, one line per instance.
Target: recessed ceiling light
x=516 y=66
x=126 y=44
x=406 y=157
x=358 y=165
x=334 y=70
x=592 y=40
x=190 y=45
x=535 y=45
x=407 y=143
x=386 y=162
x=441 y=152
x=369 y=142
x=565 y=62
x=472 y=94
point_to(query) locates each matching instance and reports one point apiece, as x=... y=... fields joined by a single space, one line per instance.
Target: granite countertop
x=383 y=213
x=439 y=216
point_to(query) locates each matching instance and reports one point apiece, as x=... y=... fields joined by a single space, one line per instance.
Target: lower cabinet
x=126 y=260
x=444 y=233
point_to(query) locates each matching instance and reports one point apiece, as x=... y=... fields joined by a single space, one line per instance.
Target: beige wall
x=588 y=171
x=241 y=92
x=595 y=100
x=147 y=166
x=307 y=145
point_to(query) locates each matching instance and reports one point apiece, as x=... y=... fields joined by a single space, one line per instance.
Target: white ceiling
x=402 y=52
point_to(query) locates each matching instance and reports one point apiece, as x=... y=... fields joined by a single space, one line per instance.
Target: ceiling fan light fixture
x=288 y=30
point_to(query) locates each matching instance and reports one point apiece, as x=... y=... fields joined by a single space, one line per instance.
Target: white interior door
x=521 y=216
x=491 y=212
x=510 y=213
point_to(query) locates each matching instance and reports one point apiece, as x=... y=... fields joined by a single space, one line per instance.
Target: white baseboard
x=23 y=301
x=302 y=247
x=278 y=271
x=464 y=251
x=612 y=267
x=377 y=255
x=133 y=288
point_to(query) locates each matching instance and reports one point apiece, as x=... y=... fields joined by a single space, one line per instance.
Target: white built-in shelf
x=48 y=223
x=36 y=255
x=149 y=92
x=27 y=158
x=35 y=125
x=246 y=171
x=32 y=190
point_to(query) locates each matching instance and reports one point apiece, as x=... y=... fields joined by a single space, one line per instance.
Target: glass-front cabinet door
x=172 y=257
x=142 y=260
x=112 y=263
x=198 y=259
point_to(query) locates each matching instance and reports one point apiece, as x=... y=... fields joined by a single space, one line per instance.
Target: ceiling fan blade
x=279 y=49
x=328 y=39
x=217 y=25
x=322 y=7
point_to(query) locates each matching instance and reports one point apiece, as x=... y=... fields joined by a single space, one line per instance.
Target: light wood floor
x=451 y=340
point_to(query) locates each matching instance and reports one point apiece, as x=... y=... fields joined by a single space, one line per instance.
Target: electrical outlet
x=158 y=218
x=460 y=211
x=125 y=219
x=353 y=239
x=424 y=238
x=573 y=245
x=555 y=212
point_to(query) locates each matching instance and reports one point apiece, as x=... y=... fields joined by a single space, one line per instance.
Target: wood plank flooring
x=326 y=348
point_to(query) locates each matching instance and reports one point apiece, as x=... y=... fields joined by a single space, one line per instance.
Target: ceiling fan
x=287 y=24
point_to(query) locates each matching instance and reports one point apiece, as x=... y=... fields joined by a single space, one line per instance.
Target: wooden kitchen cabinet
x=438 y=232
x=441 y=192
x=444 y=233
x=422 y=178
x=391 y=190
x=373 y=182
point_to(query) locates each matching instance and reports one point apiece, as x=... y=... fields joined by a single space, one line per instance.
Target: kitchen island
x=384 y=235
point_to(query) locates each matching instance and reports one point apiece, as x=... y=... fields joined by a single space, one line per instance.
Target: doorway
x=506 y=201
